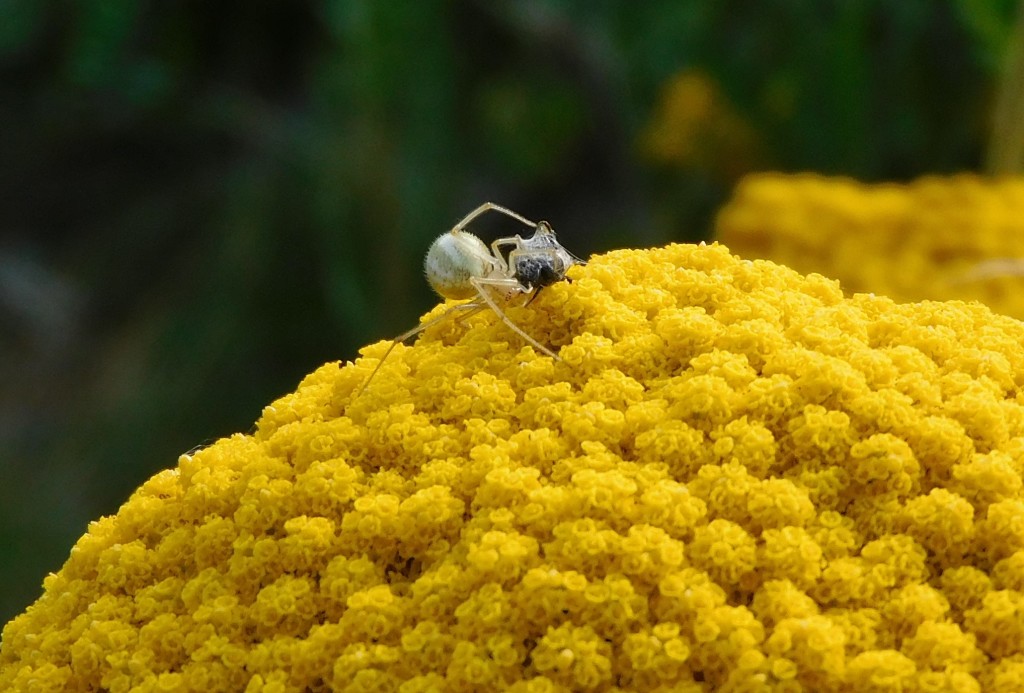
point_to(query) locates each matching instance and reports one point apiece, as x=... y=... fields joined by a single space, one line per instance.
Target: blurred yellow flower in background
x=694 y=126
x=958 y=237
x=735 y=478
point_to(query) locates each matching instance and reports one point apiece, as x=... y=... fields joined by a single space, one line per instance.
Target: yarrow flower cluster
x=736 y=478
x=695 y=126
x=936 y=238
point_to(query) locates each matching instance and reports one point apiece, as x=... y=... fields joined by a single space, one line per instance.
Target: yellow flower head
x=735 y=478
x=695 y=126
x=937 y=238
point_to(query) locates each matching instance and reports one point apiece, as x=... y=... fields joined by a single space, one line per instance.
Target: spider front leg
x=483 y=286
x=491 y=207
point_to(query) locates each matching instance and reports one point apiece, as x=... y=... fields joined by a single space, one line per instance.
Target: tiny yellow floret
x=736 y=478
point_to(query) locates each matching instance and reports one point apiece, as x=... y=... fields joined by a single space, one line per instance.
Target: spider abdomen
x=453 y=259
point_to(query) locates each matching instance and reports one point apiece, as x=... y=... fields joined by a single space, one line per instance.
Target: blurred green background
x=202 y=202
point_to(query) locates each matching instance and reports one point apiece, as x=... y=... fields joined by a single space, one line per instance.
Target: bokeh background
x=201 y=202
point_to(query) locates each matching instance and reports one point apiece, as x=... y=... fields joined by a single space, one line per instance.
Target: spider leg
x=477 y=307
x=472 y=307
x=491 y=207
x=515 y=241
x=483 y=283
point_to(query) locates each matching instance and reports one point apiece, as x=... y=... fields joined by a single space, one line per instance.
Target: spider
x=459 y=266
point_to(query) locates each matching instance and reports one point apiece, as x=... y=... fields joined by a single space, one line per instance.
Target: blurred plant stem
x=1006 y=146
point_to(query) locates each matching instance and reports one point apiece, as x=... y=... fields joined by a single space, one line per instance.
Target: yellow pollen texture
x=736 y=479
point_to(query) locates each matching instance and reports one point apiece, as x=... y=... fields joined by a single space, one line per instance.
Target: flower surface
x=736 y=478
x=937 y=238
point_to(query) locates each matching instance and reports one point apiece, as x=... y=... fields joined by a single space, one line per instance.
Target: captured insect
x=459 y=266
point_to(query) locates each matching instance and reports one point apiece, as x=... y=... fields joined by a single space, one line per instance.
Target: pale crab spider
x=459 y=266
